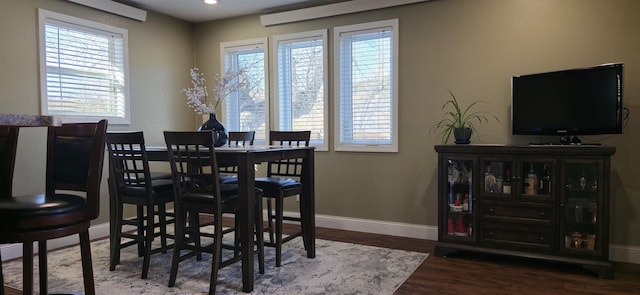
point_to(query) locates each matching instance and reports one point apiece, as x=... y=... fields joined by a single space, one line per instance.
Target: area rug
x=338 y=268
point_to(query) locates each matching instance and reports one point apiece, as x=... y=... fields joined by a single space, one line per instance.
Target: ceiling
x=197 y=11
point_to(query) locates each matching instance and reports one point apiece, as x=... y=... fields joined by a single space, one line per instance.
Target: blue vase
x=219 y=132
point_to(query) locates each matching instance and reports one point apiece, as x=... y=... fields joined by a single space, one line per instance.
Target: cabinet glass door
x=537 y=179
x=582 y=197
x=497 y=177
x=460 y=198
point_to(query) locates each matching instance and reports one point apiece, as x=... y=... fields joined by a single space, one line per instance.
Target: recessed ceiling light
x=211 y=1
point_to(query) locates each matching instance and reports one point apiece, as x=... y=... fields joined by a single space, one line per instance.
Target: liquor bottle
x=545 y=182
x=583 y=181
x=465 y=203
x=506 y=184
x=530 y=182
x=466 y=195
x=489 y=181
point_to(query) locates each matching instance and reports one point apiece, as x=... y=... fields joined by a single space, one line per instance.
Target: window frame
x=46 y=17
x=370 y=27
x=321 y=145
x=233 y=46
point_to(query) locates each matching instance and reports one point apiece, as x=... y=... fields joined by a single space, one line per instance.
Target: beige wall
x=470 y=47
x=160 y=55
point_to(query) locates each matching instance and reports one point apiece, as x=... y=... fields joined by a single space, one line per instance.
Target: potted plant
x=460 y=121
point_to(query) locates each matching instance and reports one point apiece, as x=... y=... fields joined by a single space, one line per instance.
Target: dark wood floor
x=467 y=273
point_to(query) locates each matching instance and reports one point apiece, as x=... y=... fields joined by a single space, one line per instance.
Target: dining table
x=245 y=158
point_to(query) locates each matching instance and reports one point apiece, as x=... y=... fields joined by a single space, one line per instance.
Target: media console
x=543 y=202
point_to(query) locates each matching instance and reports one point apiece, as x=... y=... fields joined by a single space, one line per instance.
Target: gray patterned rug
x=339 y=268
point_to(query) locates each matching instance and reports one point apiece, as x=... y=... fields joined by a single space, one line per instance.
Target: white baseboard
x=425 y=232
x=619 y=253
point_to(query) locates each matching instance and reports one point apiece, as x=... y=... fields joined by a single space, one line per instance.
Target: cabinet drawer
x=530 y=212
x=514 y=237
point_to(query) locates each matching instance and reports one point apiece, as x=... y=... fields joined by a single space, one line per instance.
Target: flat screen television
x=584 y=101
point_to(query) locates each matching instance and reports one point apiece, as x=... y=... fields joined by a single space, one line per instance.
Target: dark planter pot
x=462 y=135
x=219 y=132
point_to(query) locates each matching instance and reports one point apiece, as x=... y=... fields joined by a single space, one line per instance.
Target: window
x=366 y=83
x=301 y=92
x=247 y=109
x=83 y=68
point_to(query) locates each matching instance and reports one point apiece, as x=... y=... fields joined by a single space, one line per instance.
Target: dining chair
x=8 y=148
x=198 y=191
x=135 y=184
x=229 y=174
x=282 y=181
x=74 y=163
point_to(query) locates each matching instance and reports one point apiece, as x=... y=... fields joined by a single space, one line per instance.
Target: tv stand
x=564 y=140
x=562 y=144
x=490 y=202
x=567 y=139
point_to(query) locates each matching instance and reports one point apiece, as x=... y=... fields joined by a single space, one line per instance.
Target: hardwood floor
x=467 y=273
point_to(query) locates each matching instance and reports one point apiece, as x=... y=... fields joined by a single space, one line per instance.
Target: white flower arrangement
x=230 y=82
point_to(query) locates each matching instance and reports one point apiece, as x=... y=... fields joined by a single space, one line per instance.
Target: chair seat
x=40 y=205
x=273 y=185
x=226 y=178
x=229 y=198
x=159 y=186
x=154 y=175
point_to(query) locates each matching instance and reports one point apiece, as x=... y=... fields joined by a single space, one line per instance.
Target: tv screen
x=585 y=101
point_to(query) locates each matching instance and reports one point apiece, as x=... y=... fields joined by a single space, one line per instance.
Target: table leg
x=308 y=204
x=246 y=201
x=112 y=215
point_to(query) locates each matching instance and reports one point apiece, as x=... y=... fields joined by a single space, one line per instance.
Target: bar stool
x=282 y=182
x=134 y=184
x=75 y=154
x=198 y=190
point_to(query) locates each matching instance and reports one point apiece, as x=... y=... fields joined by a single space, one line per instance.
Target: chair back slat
x=193 y=163
x=75 y=156
x=128 y=163
x=288 y=167
x=241 y=138
x=8 y=148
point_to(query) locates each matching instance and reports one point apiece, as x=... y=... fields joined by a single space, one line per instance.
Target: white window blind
x=83 y=65
x=247 y=109
x=301 y=80
x=366 y=87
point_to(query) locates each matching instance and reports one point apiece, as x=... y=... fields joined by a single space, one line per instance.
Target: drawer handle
x=542 y=239
x=491 y=210
x=491 y=233
x=542 y=213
